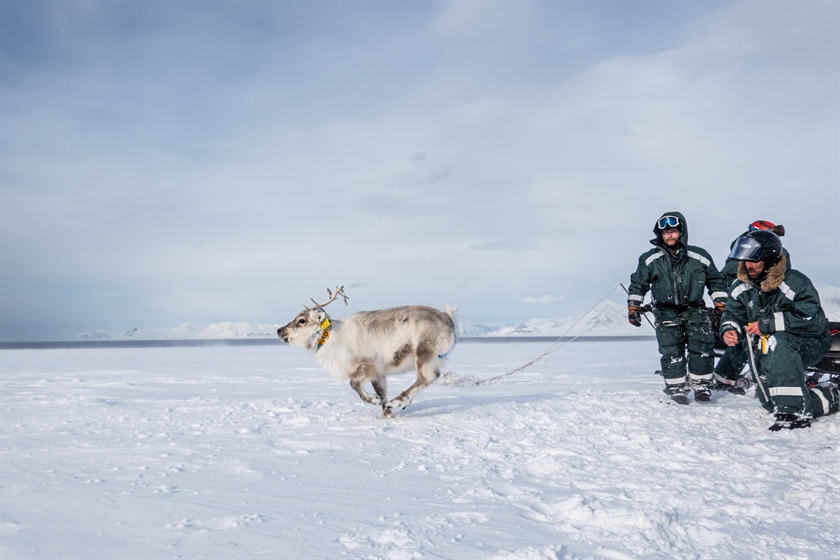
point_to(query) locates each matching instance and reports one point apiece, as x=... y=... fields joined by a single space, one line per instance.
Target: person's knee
x=777 y=355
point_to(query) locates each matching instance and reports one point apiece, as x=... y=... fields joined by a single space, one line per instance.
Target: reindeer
x=367 y=346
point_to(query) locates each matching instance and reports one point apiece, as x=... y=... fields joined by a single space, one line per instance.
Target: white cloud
x=464 y=153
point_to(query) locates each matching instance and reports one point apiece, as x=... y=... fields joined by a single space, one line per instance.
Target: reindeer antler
x=339 y=291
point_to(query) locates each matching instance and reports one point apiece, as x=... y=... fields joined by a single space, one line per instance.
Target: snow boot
x=679 y=398
x=702 y=394
x=736 y=389
x=790 y=422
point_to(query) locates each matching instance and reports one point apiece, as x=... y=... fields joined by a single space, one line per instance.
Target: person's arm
x=639 y=286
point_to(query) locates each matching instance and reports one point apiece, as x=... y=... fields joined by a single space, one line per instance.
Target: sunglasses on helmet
x=759 y=225
x=668 y=222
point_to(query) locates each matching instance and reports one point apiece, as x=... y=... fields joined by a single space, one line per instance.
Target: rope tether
x=451 y=378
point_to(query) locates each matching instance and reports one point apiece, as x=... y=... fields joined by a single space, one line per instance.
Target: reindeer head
x=308 y=328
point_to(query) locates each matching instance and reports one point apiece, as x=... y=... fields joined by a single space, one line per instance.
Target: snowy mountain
x=189 y=331
x=472 y=329
x=606 y=319
x=610 y=319
x=830 y=299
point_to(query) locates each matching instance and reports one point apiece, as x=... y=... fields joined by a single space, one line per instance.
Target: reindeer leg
x=404 y=399
x=362 y=374
x=427 y=372
x=380 y=387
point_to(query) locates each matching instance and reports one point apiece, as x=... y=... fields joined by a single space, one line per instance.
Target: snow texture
x=252 y=452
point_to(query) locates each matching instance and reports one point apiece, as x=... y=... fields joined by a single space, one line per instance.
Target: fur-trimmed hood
x=772 y=279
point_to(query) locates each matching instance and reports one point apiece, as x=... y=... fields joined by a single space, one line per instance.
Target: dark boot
x=702 y=394
x=679 y=398
x=790 y=422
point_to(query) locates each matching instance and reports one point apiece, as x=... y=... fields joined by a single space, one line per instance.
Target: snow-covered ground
x=252 y=452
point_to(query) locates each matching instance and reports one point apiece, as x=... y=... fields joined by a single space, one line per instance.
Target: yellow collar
x=325 y=332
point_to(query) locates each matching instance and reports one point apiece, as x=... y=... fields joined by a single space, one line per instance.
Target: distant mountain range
x=189 y=331
x=609 y=318
x=606 y=319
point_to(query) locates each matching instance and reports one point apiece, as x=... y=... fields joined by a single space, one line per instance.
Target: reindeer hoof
x=397 y=404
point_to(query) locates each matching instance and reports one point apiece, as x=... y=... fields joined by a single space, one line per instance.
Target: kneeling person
x=780 y=308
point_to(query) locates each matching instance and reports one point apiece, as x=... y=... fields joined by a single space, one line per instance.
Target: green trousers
x=686 y=347
x=781 y=363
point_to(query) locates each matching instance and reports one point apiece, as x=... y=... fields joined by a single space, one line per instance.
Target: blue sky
x=164 y=162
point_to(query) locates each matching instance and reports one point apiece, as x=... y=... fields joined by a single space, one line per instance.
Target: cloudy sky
x=164 y=162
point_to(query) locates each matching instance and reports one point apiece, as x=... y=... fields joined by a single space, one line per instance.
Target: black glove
x=634 y=316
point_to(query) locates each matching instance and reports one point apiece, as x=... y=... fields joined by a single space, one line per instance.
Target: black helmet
x=759 y=245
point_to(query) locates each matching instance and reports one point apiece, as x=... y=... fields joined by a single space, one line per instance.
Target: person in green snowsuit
x=676 y=274
x=777 y=310
x=730 y=272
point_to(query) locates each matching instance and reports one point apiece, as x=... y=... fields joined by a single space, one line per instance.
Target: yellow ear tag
x=325 y=324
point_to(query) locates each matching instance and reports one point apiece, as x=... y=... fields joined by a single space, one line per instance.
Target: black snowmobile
x=830 y=364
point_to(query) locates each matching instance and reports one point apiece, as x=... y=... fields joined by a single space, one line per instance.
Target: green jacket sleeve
x=716 y=283
x=798 y=310
x=639 y=282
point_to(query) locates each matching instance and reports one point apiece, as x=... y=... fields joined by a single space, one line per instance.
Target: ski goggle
x=668 y=222
x=761 y=225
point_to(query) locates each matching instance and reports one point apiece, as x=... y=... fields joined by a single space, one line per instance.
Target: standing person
x=730 y=267
x=779 y=307
x=730 y=272
x=676 y=274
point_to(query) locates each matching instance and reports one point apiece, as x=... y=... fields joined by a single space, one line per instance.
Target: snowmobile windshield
x=746 y=249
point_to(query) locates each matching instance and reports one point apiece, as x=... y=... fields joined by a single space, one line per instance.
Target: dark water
x=49 y=345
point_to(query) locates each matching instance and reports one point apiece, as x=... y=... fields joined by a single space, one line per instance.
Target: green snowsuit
x=677 y=280
x=795 y=335
x=735 y=356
